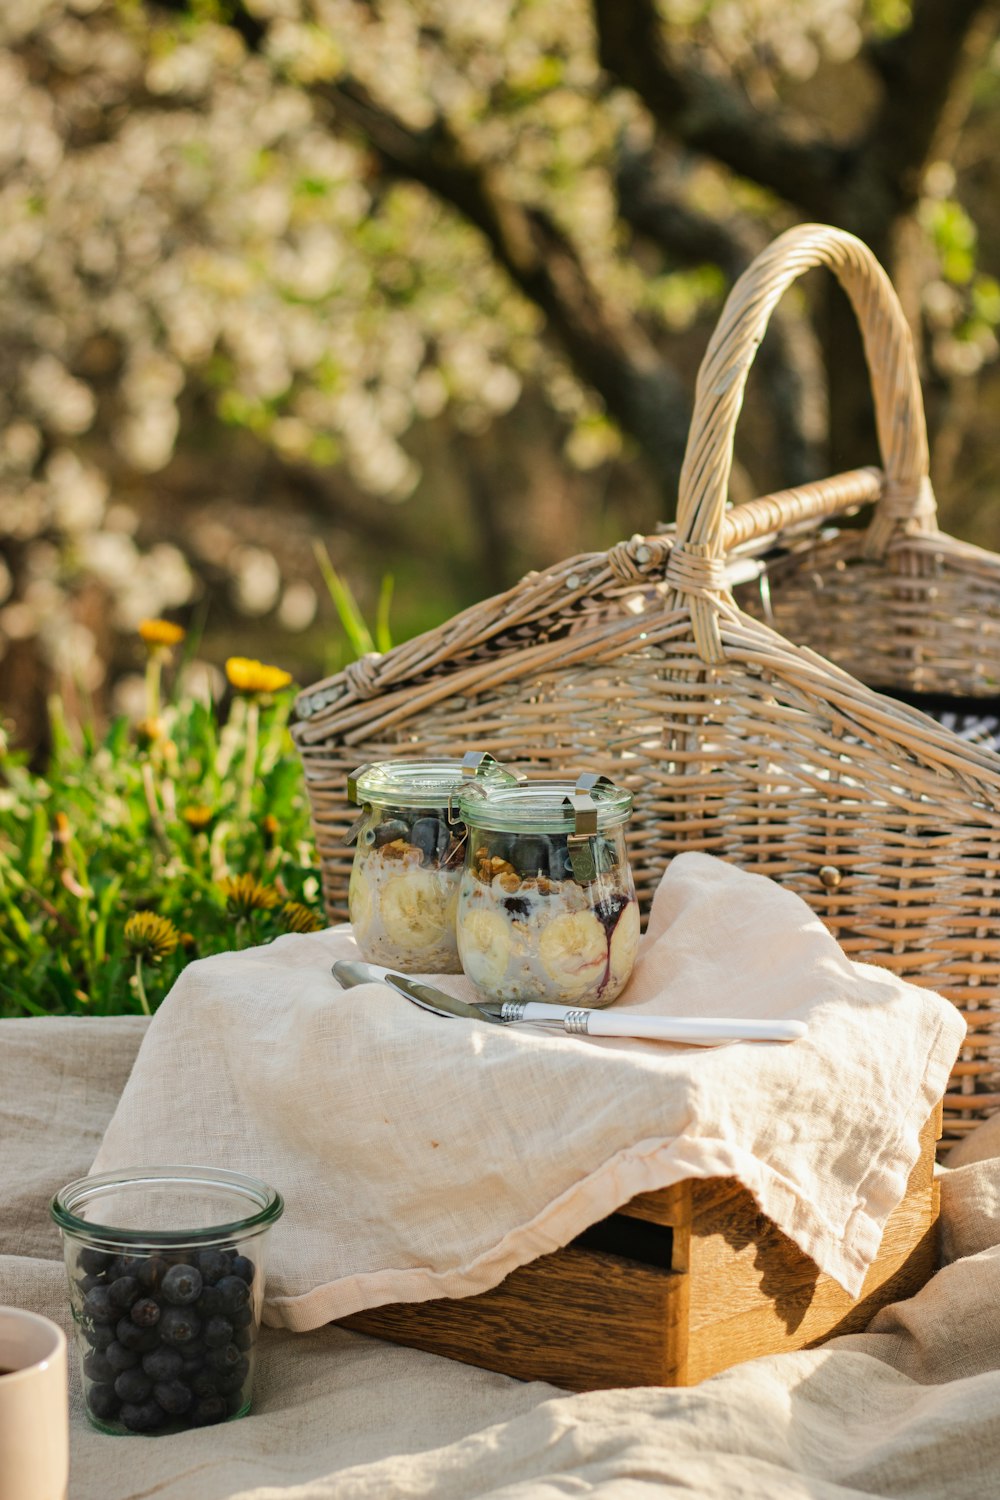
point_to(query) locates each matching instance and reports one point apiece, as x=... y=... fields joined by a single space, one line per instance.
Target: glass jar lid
x=423 y=783
x=587 y=805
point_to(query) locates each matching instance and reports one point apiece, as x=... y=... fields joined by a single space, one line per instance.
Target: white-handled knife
x=694 y=1031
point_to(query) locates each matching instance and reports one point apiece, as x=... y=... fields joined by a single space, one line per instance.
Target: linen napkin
x=425 y=1157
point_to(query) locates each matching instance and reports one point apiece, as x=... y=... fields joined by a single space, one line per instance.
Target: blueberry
x=181 y=1285
x=206 y=1383
x=99 y=1335
x=243 y=1268
x=133 y=1385
x=87 y=1283
x=609 y=910
x=180 y=1325
x=98 y=1307
x=233 y=1380
x=208 y=1410
x=103 y=1402
x=210 y=1301
x=559 y=860
x=133 y=1337
x=213 y=1265
x=530 y=855
x=173 y=1396
x=124 y=1291
x=218 y=1332
x=389 y=830
x=145 y=1313
x=142 y=1418
x=428 y=835
x=97 y=1367
x=234 y=1402
x=234 y=1292
x=243 y=1338
x=224 y=1359
x=516 y=906
x=151 y=1272
x=94 y=1262
x=120 y=1358
x=163 y=1364
x=241 y=1319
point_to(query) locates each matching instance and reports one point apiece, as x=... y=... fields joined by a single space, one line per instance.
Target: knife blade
x=692 y=1031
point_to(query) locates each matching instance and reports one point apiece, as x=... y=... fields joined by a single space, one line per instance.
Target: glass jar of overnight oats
x=407 y=866
x=547 y=907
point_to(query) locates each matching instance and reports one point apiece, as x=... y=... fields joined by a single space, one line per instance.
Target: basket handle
x=695 y=567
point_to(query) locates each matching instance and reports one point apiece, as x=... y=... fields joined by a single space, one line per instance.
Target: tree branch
x=606 y=345
x=925 y=71
x=709 y=113
x=789 y=356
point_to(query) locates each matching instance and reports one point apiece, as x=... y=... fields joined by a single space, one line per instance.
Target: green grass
x=104 y=832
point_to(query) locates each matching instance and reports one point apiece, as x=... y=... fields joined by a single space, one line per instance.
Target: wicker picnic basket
x=637 y=662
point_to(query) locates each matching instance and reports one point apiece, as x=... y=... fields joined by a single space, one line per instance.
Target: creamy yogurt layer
x=537 y=938
x=403 y=908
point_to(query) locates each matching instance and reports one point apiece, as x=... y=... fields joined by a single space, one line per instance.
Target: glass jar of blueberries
x=547 y=907
x=408 y=859
x=166 y=1283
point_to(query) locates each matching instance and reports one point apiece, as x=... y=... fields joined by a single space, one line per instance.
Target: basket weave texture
x=638 y=663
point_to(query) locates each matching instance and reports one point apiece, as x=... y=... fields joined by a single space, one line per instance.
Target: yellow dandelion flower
x=251 y=677
x=245 y=894
x=300 y=918
x=198 y=817
x=161 y=632
x=150 y=936
x=148 y=731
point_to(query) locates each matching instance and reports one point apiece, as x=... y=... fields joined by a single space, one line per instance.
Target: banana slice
x=624 y=944
x=415 y=909
x=359 y=901
x=574 y=950
x=484 y=948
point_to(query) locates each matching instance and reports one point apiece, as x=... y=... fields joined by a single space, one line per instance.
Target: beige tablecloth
x=909 y=1409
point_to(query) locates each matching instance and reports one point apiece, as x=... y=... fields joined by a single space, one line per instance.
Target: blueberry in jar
x=98 y=1307
x=223 y=1359
x=163 y=1364
x=94 y=1262
x=133 y=1385
x=530 y=855
x=173 y=1396
x=124 y=1291
x=142 y=1418
x=97 y=1367
x=208 y=1410
x=120 y=1358
x=145 y=1313
x=180 y=1326
x=181 y=1284
x=243 y=1267
x=218 y=1332
x=151 y=1272
x=131 y=1336
x=213 y=1265
x=98 y=1335
x=426 y=835
x=234 y=1292
x=389 y=830
x=103 y=1402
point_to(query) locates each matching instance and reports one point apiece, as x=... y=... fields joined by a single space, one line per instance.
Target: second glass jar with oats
x=547 y=907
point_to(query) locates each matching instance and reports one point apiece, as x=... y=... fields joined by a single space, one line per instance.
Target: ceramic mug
x=34 y=1407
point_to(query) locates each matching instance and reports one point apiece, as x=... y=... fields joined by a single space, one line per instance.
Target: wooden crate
x=675 y=1286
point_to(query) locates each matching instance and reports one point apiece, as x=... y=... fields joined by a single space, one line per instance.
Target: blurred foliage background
x=428 y=282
